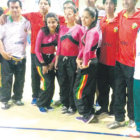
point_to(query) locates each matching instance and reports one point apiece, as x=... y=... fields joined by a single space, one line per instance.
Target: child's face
x=109 y=6
x=44 y=6
x=129 y=4
x=87 y=19
x=70 y=15
x=52 y=24
x=67 y=7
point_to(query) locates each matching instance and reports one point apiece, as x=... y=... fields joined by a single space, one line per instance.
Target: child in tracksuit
x=107 y=58
x=45 y=48
x=68 y=49
x=85 y=83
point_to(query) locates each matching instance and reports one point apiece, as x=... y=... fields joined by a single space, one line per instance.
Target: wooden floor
x=27 y=123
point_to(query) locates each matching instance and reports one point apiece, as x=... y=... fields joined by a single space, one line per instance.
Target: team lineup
x=89 y=55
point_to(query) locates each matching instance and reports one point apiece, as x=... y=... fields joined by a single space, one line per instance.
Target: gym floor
x=27 y=123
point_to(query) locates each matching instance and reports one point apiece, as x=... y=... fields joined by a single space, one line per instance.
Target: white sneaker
x=134 y=134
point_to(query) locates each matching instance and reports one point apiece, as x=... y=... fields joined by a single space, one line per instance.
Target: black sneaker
x=101 y=114
x=64 y=110
x=57 y=103
x=116 y=124
x=5 y=105
x=111 y=113
x=71 y=111
x=18 y=102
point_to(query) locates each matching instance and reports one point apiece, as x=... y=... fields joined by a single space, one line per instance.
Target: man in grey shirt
x=13 y=37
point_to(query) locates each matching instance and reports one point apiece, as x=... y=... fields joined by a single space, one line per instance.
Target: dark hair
x=46 y=28
x=94 y=14
x=73 y=7
x=20 y=4
x=114 y=2
x=67 y=2
x=1 y=11
x=49 y=2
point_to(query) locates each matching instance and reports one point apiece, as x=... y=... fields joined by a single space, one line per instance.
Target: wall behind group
x=99 y=2
x=57 y=5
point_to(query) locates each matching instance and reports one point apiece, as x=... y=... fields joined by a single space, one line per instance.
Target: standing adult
x=129 y=22
x=13 y=38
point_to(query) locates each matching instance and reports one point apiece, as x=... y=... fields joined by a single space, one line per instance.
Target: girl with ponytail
x=85 y=83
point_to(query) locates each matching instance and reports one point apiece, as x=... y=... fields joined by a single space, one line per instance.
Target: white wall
x=119 y=5
x=32 y=5
x=57 y=5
